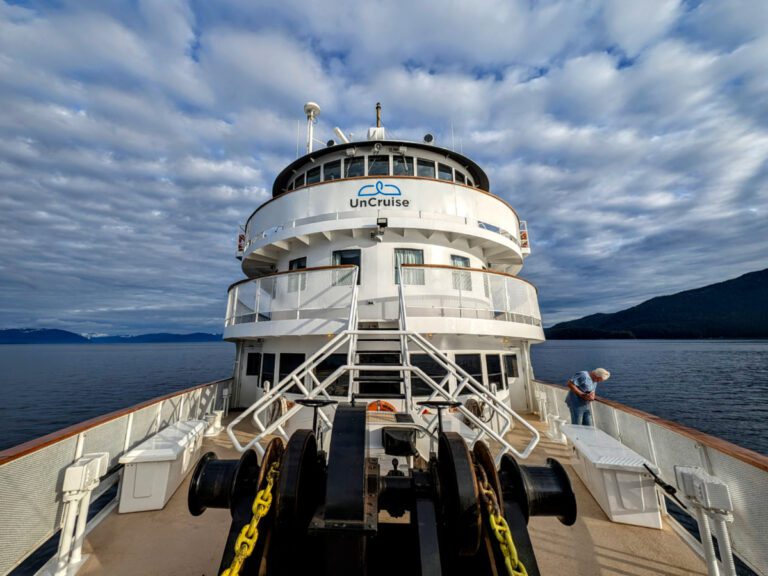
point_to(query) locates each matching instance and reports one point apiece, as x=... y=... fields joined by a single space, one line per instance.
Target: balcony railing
x=253 y=235
x=310 y=293
x=452 y=292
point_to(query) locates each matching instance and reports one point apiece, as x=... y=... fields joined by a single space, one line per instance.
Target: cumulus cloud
x=135 y=138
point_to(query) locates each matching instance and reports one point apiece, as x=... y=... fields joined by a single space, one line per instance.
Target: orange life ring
x=381 y=406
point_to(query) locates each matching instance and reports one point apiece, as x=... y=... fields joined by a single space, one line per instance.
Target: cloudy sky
x=136 y=136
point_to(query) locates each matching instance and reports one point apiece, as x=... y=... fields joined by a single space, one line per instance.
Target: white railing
x=668 y=444
x=453 y=292
x=310 y=293
x=31 y=504
x=305 y=384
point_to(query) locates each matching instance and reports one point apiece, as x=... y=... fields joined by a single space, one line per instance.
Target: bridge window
x=411 y=277
x=402 y=166
x=299 y=182
x=472 y=364
x=354 y=167
x=332 y=170
x=431 y=368
x=340 y=385
x=268 y=370
x=341 y=257
x=461 y=280
x=460 y=178
x=313 y=175
x=510 y=365
x=493 y=366
x=297 y=281
x=378 y=165
x=445 y=172
x=253 y=366
x=425 y=168
x=289 y=361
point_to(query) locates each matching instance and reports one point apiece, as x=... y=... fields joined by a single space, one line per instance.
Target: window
x=510 y=365
x=354 y=167
x=341 y=257
x=472 y=364
x=268 y=370
x=332 y=170
x=425 y=168
x=297 y=281
x=493 y=367
x=299 y=182
x=313 y=175
x=411 y=277
x=378 y=165
x=445 y=172
x=291 y=185
x=253 y=365
x=402 y=166
x=431 y=368
x=340 y=386
x=461 y=280
x=460 y=178
x=289 y=361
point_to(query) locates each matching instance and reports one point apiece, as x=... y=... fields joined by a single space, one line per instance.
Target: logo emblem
x=379 y=189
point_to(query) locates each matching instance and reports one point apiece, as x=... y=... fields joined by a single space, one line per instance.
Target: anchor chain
x=246 y=541
x=499 y=527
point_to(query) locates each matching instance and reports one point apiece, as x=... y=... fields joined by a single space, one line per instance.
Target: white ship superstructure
x=343 y=224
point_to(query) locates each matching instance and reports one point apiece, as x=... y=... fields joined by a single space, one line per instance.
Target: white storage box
x=155 y=468
x=615 y=476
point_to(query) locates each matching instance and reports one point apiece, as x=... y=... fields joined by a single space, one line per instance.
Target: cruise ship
x=382 y=415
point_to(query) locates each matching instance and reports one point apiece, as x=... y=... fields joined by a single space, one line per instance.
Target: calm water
x=719 y=387
x=47 y=387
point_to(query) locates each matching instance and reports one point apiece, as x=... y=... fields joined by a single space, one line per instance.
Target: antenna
x=340 y=135
x=378 y=114
x=312 y=111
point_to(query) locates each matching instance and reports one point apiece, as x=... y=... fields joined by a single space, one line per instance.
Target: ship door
x=250 y=377
x=518 y=399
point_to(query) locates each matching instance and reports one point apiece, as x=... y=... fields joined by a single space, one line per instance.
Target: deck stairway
x=383 y=374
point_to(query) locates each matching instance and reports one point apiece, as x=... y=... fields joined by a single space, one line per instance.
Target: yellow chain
x=246 y=541
x=501 y=529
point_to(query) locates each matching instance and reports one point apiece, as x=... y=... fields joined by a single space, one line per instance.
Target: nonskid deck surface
x=172 y=542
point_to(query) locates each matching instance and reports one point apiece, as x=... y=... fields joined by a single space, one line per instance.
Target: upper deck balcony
x=437 y=299
x=346 y=189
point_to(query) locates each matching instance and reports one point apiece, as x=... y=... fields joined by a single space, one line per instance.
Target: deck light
x=381 y=222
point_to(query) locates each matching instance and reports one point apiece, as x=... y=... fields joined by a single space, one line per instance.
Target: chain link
x=246 y=541
x=500 y=528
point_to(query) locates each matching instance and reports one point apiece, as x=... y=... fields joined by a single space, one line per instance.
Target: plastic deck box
x=615 y=476
x=155 y=468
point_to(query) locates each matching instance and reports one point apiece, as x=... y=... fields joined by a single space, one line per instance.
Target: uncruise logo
x=379 y=194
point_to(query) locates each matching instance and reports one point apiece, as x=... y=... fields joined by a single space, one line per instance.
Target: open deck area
x=173 y=542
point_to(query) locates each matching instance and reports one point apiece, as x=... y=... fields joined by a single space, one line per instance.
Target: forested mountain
x=736 y=308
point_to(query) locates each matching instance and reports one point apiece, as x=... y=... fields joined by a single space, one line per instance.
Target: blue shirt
x=583 y=382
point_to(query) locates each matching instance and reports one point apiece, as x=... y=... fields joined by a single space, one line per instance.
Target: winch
x=302 y=511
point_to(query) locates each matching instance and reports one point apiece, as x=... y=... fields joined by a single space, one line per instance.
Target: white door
x=518 y=399
x=250 y=389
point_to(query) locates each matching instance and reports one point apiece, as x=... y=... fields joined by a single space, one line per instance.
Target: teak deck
x=172 y=542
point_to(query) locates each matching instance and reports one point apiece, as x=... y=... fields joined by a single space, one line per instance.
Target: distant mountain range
x=735 y=308
x=52 y=336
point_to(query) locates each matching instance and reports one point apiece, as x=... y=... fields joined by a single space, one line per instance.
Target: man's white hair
x=601 y=373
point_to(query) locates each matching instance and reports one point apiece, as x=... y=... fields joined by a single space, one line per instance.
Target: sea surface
x=717 y=386
x=46 y=387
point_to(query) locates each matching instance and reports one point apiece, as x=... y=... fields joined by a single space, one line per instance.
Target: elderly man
x=581 y=392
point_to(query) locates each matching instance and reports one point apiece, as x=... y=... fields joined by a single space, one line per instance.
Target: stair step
x=380 y=395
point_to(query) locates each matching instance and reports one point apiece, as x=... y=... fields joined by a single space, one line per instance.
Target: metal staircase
x=304 y=380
